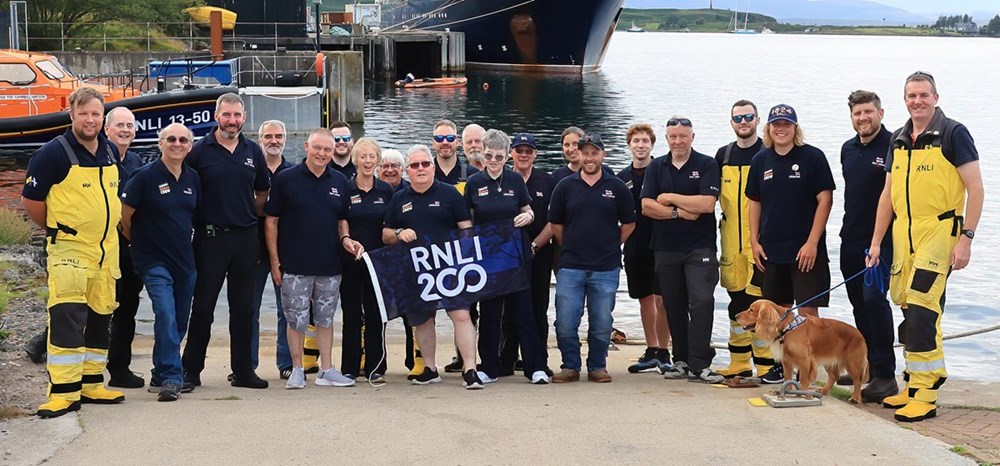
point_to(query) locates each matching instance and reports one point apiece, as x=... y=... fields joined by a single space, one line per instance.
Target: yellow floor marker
x=757 y=402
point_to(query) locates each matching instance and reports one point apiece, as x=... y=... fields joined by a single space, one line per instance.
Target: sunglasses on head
x=741 y=118
x=342 y=138
x=678 y=122
x=442 y=138
x=173 y=139
x=489 y=156
x=920 y=74
x=423 y=164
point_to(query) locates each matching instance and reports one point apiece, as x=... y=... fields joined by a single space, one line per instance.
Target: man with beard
x=448 y=168
x=343 y=143
x=640 y=269
x=591 y=215
x=472 y=144
x=71 y=190
x=119 y=126
x=736 y=260
x=679 y=192
x=863 y=161
x=234 y=184
x=271 y=137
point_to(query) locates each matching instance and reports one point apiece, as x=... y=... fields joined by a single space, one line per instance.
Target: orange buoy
x=486 y=86
x=320 y=61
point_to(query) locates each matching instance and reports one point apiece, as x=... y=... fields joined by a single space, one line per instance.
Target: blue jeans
x=283 y=358
x=599 y=288
x=170 y=294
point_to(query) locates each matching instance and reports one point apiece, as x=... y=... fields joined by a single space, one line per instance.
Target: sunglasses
x=417 y=165
x=524 y=150
x=390 y=166
x=173 y=139
x=342 y=138
x=489 y=156
x=741 y=118
x=442 y=138
x=678 y=122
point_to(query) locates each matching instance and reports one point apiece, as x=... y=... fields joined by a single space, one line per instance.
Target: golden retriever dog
x=830 y=343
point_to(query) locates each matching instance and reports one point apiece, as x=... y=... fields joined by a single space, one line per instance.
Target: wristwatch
x=969 y=233
x=534 y=247
x=398 y=231
x=673 y=213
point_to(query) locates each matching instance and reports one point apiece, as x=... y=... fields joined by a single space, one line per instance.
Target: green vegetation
x=992 y=29
x=951 y=21
x=958 y=449
x=700 y=20
x=229 y=398
x=14 y=229
x=5 y=296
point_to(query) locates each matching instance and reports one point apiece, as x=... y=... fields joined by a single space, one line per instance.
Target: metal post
x=62 y=36
x=105 y=28
x=148 y=41
x=316 y=4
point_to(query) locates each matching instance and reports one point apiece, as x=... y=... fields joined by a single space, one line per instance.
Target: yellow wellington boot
x=738 y=366
x=897 y=401
x=418 y=362
x=57 y=407
x=101 y=395
x=916 y=411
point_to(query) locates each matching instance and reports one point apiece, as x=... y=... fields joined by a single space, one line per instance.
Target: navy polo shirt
x=540 y=185
x=260 y=223
x=786 y=187
x=228 y=181
x=349 y=171
x=591 y=217
x=495 y=200
x=367 y=212
x=403 y=184
x=864 y=177
x=437 y=210
x=455 y=176
x=309 y=208
x=49 y=165
x=638 y=243
x=164 y=210
x=698 y=176
x=127 y=167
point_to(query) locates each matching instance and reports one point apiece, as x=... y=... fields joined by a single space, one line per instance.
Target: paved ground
x=636 y=419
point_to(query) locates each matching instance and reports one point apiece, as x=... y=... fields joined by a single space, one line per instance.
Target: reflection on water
x=651 y=77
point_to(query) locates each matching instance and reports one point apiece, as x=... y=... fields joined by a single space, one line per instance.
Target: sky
x=936 y=6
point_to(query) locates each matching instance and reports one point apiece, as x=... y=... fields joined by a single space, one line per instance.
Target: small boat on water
x=735 y=21
x=411 y=82
x=635 y=28
x=34 y=91
x=203 y=14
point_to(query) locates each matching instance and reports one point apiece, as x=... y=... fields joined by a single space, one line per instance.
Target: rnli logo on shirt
x=509 y=193
x=629 y=184
x=879 y=162
x=407 y=207
x=795 y=172
x=925 y=168
x=188 y=191
x=608 y=194
x=31 y=180
x=695 y=175
x=484 y=191
x=539 y=194
x=768 y=174
x=380 y=201
x=434 y=204
x=164 y=188
x=334 y=192
x=356 y=199
x=249 y=162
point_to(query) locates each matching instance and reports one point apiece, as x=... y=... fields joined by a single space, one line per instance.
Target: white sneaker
x=297 y=379
x=485 y=378
x=333 y=378
x=540 y=378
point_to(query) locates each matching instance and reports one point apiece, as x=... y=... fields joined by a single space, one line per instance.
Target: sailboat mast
x=746 y=17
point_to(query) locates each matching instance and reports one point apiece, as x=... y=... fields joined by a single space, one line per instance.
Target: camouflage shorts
x=299 y=291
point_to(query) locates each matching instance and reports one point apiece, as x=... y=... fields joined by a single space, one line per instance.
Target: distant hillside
x=699 y=20
x=806 y=11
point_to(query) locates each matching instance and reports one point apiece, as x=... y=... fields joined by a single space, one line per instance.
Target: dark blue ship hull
x=548 y=35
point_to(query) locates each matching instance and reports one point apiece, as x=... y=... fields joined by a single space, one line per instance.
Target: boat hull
x=194 y=108
x=544 y=35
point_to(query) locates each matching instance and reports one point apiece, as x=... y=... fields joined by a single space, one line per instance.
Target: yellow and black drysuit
x=928 y=198
x=82 y=215
x=736 y=260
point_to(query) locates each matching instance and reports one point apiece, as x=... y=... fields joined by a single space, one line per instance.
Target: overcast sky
x=936 y=6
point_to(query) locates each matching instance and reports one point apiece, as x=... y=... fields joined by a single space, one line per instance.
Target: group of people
x=230 y=209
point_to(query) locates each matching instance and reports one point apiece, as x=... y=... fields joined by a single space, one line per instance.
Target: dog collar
x=794 y=324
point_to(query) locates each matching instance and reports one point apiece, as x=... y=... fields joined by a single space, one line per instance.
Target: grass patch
x=976 y=408
x=4 y=334
x=229 y=398
x=959 y=450
x=5 y=296
x=42 y=293
x=14 y=229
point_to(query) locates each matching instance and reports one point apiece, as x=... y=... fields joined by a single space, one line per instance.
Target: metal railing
x=154 y=35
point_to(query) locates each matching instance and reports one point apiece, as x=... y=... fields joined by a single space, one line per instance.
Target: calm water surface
x=651 y=77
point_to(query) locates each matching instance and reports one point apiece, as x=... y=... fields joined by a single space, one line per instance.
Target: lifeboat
x=203 y=14
x=431 y=83
x=37 y=84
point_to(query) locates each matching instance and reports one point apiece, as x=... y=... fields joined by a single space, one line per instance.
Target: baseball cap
x=782 y=112
x=524 y=139
x=593 y=139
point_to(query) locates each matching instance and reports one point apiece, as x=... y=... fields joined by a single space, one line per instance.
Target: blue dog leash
x=874 y=276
